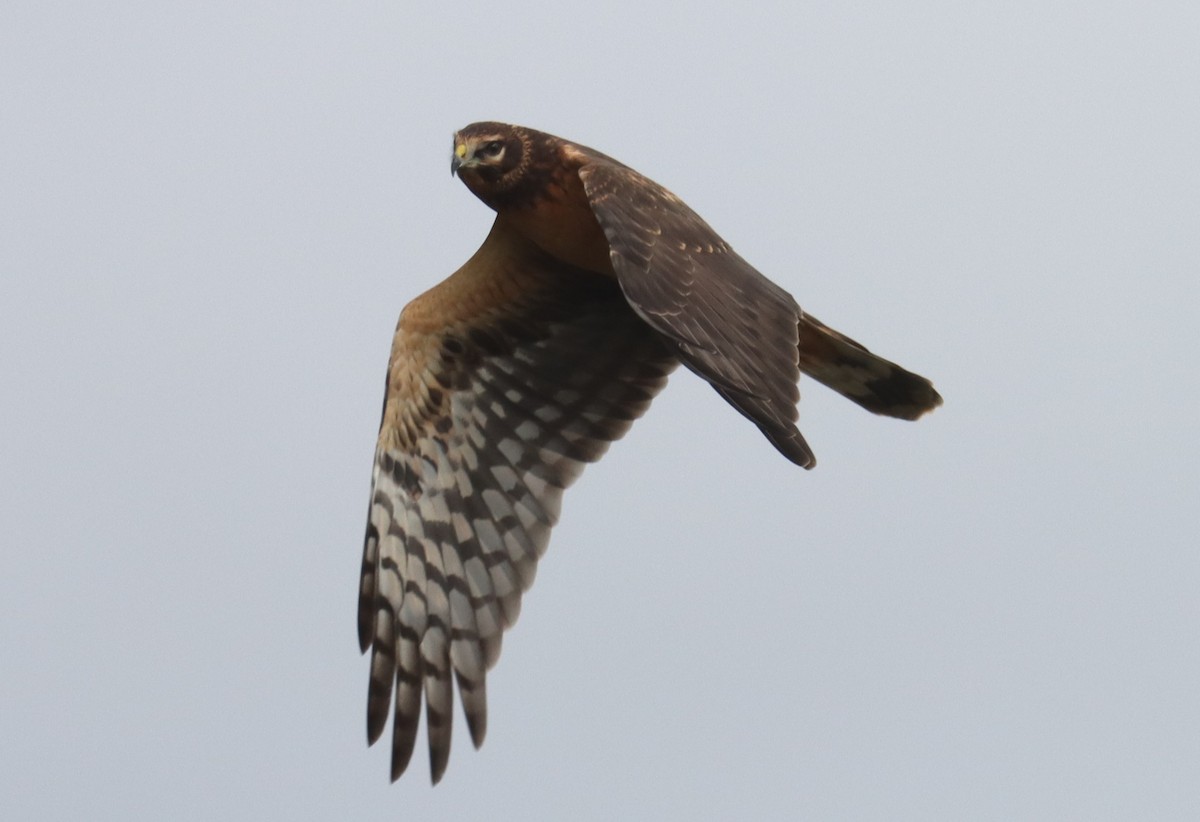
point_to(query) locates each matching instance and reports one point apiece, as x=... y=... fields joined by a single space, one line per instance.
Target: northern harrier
x=521 y=367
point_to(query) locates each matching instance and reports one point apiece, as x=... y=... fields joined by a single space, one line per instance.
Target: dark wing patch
x=728 y=323
x=487 y=419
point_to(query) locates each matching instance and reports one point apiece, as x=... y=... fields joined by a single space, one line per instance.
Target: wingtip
x=793 y=446
x=477 y=725
x=400 y=760
x=439 y=758
x=404 y=741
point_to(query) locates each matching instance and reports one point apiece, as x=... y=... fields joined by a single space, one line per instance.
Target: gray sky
x=211 y=215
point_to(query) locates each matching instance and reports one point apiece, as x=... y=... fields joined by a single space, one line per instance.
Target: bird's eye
x=492 y=148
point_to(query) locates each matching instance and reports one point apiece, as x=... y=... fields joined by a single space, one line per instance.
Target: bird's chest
x=562 y=224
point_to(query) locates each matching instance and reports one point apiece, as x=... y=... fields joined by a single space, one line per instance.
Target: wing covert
x=728 y=323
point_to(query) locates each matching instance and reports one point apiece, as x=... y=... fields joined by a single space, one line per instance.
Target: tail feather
x=847 y=367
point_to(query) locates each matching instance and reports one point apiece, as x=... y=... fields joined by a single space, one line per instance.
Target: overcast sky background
x=211 y=215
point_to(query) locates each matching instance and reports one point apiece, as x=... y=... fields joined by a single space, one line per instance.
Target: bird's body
x=521 y=367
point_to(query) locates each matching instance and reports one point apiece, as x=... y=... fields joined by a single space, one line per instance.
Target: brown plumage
x=521 y=367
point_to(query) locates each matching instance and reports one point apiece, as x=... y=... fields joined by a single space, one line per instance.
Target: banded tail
x=879 y=386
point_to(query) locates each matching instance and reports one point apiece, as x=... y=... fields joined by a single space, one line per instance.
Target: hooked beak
x=458 y=158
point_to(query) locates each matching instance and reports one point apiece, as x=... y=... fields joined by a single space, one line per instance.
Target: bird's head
x=491 y=159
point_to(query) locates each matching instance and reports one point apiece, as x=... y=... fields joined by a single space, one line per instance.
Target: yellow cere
x=461 y=150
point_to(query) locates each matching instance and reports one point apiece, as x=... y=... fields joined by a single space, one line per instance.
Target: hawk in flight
x=521 y=367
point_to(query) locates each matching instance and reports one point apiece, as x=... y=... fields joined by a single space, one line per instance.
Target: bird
x=521 y=367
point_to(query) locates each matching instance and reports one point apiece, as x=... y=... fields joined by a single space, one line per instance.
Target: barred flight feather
x=461 y=512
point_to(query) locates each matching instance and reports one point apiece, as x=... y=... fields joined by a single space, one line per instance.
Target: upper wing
x=504 y=381
x=729 y=323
